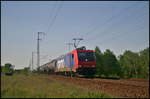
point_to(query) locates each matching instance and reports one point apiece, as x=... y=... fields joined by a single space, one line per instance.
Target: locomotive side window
x=86 y=56
x=72 y=56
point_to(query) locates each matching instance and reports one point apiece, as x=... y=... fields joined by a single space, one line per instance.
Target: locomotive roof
x=60 y=57
x=83 y=50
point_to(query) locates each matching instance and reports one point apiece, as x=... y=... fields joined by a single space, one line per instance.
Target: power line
x=110 y=19
x=119 y=34
x=53 y=9
x=94 y=38
x=113 y=38
x=77 y=43
x=44 y=57
x=38 y=38
x=54 y=18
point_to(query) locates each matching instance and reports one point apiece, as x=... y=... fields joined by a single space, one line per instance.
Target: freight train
x=78 y=61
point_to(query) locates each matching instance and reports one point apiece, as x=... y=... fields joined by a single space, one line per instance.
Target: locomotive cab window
x=86 y=56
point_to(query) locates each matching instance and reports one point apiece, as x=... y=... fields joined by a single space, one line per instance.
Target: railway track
x=128 y=88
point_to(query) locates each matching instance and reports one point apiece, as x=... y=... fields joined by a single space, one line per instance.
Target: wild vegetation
x=7 y=68
x=129 y=65
x=42 y=86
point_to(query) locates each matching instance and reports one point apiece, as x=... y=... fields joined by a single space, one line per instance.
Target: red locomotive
x=79 y=61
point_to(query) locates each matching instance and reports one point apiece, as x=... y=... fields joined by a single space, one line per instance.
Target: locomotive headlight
x=79 y=65
x=93 y=65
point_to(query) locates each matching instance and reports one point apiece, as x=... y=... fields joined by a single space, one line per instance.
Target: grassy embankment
x=41 y=86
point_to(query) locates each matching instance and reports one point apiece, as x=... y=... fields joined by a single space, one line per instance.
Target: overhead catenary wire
x=116 y=37
x=107 y=21
x=56 y=8
x=104 y=33
x=51 y=15
x=38 y=57
x=55 y=16
x=119 y=34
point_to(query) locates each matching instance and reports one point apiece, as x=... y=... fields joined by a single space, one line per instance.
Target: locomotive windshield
x=86 y=56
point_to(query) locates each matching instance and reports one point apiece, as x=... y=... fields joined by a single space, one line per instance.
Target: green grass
x=41 y=86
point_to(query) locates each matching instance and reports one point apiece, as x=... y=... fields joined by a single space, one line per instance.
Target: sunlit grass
x=41 y=86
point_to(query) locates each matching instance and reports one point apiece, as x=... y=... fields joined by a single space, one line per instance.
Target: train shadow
x=85 y=76
x=93 y=77
x=113 y=78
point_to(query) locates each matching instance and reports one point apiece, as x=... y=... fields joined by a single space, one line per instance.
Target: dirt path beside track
x=128 y=88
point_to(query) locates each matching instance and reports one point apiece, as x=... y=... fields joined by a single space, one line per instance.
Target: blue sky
x=113 y=25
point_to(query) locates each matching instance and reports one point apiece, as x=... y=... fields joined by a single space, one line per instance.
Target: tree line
x=128 y=65
x=8 y=68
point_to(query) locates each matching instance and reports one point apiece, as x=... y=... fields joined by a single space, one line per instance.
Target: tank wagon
x=78 y=61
